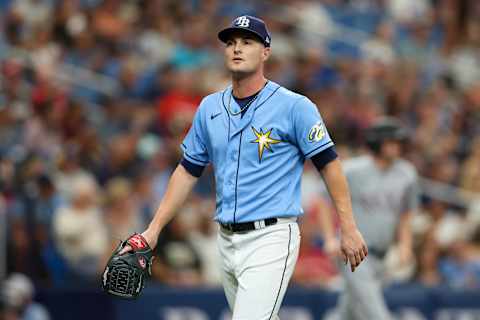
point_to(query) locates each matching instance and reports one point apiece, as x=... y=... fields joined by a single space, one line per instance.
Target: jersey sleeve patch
x=310 y=132
x=317 y=132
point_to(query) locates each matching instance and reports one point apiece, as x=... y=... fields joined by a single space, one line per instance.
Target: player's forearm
x=325 y=220
x=178 y=189
x=337 y=186
x=405 y=235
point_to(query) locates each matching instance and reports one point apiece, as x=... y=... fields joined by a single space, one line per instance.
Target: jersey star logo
x=264 y=142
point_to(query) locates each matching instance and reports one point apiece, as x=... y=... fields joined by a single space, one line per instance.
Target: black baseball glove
x=125 y=274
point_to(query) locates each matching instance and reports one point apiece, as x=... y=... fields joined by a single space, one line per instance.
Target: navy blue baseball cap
x=250 y=24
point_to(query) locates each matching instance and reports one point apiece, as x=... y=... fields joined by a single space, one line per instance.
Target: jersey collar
x=263 y=96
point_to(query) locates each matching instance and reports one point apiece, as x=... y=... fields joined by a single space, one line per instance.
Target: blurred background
x=96 y=97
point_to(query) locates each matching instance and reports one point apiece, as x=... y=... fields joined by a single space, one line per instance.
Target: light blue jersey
x=258 y=158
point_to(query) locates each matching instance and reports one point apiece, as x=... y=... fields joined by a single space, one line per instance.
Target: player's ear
x=266 y=53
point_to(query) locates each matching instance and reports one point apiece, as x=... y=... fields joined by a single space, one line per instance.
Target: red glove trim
x=137 y=242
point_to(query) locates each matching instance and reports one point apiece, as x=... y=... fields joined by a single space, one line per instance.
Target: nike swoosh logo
x=213 y=116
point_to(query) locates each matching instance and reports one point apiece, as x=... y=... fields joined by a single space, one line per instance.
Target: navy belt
x=379 y=253
x=248 y=226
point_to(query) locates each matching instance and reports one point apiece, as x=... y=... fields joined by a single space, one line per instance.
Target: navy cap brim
x=225 y=33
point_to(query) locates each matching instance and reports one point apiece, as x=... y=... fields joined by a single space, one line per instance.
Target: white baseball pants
x=256 y=267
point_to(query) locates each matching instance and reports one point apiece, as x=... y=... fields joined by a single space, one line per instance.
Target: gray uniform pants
x=362 y=298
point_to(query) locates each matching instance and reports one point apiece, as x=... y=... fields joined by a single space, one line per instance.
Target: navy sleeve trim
x=192 y=168
x=321 y=159
x=320 y=146
x=195 y=159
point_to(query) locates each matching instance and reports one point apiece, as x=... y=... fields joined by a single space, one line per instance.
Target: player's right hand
x=353 y=247
x=151 y=240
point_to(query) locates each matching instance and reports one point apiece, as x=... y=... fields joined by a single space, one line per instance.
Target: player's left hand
x=353 y=247
x=405 y=254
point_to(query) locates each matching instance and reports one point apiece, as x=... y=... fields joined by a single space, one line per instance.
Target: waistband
x=254 y=225
x=379 y=253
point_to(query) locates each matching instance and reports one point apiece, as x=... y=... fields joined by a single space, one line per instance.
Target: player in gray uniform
x=384 y=195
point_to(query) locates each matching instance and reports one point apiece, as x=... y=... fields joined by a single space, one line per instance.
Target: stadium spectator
x=102 y=90
x=19 y=293
x=179 y=264
x=80 y=231
x=122 y=215
x=204 y=239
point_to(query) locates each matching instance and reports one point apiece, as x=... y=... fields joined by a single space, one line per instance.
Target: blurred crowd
x=17 y=300
x=96 y=97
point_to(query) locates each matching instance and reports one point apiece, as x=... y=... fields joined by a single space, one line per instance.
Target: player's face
x=244 y=54
x=391 y=149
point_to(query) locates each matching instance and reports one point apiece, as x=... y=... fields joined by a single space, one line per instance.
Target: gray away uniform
x=379 y=198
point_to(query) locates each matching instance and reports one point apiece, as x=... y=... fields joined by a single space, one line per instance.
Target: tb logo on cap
x=243 y=22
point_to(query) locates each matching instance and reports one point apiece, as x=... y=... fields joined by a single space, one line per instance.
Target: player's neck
x=382 y=163
x=245 y=87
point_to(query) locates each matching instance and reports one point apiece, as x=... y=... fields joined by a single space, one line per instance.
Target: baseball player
x=257 y=136
x=384 y=196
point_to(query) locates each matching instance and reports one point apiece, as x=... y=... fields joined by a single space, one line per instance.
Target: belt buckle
x=259 y=224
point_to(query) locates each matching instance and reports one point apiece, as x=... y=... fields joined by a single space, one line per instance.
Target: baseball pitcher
x=257 y=136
